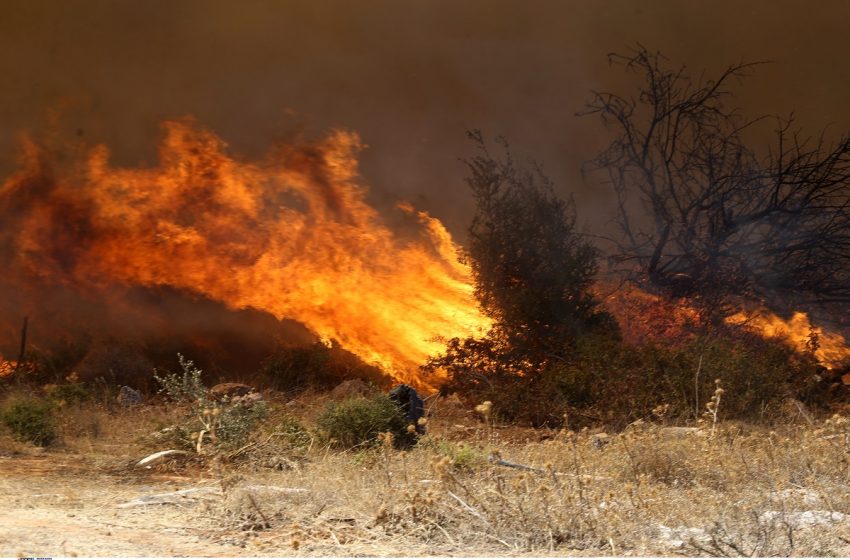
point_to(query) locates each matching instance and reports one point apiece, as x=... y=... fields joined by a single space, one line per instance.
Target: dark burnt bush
x=314 y=366
x=607 y=382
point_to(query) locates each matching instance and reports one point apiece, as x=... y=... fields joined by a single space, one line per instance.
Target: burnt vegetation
x=703 y=210
x=532 y=270
x=703 y=214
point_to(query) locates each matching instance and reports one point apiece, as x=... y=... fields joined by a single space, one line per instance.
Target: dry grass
x=648 y=490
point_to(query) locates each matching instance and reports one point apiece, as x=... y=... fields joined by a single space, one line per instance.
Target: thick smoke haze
x=409 y=76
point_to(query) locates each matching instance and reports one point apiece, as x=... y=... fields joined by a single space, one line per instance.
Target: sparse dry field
x=649 y=490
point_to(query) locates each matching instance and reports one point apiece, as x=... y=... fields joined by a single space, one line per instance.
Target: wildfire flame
x=6 y=368
x=830 y=348
x=645 y=317
x=290 y=234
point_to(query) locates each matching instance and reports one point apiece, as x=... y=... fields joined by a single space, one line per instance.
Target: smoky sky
x=410 y=76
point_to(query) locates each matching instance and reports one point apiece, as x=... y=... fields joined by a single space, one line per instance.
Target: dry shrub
x=651 y=490
x=657 y=462
x=746 y=490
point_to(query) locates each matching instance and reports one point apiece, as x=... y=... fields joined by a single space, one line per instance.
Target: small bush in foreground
x=463 y=457
x=31 y=420
x=358 y=421
x=185 y=387
x=67 y=393
x=291 y=433
x=223 y=425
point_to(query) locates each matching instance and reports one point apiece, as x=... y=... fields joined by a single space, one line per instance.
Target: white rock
x=159 y=457
x=676 y=537
x=798 y=519
x=805 y=495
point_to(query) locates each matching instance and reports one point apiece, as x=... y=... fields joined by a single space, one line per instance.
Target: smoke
x=410 y=77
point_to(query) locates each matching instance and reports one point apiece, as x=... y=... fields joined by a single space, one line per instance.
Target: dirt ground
x=651 y=490
x=58 y=504
x=58 y=507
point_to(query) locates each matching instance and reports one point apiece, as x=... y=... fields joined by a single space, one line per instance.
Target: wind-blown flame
x=830 y=348
x=290 y=234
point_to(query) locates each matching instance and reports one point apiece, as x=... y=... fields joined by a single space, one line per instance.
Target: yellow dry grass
x=651 y=489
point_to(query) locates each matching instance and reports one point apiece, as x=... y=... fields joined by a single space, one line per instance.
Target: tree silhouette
x=532 y=270
x=702 y=213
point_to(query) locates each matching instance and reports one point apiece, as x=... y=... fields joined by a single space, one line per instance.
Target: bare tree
x=703 y=214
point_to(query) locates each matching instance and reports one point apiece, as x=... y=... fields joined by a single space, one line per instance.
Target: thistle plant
x=223 y=424
x=712 y=407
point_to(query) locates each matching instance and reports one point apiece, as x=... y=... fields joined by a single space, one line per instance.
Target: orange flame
x=831 y=349
x=291 y=235
x=6 y=368
x=644 y=317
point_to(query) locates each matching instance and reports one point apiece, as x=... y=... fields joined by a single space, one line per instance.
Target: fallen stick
x=510 y=465
x=502 y=463
x=256 y=507
x=469 y=508
x=155 y=458
x=281 y=489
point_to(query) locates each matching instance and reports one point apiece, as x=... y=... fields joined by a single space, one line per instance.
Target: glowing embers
x=6 y=367
x=830 y=348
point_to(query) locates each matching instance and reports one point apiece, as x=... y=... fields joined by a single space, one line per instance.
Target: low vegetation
x=30 y=419
x=210 y=425
x=361 y=421
x=606 y=382
x=655 y=487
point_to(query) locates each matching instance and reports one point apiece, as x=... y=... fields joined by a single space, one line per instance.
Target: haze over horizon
x=409 y=77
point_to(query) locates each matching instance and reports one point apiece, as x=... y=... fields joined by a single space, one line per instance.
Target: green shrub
x=463 y=457
x=209 y=424
x=291 y=433
x=236 y=422
x=31 y=420
x=358 y=421
x=187 y=386
x=68 y=393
